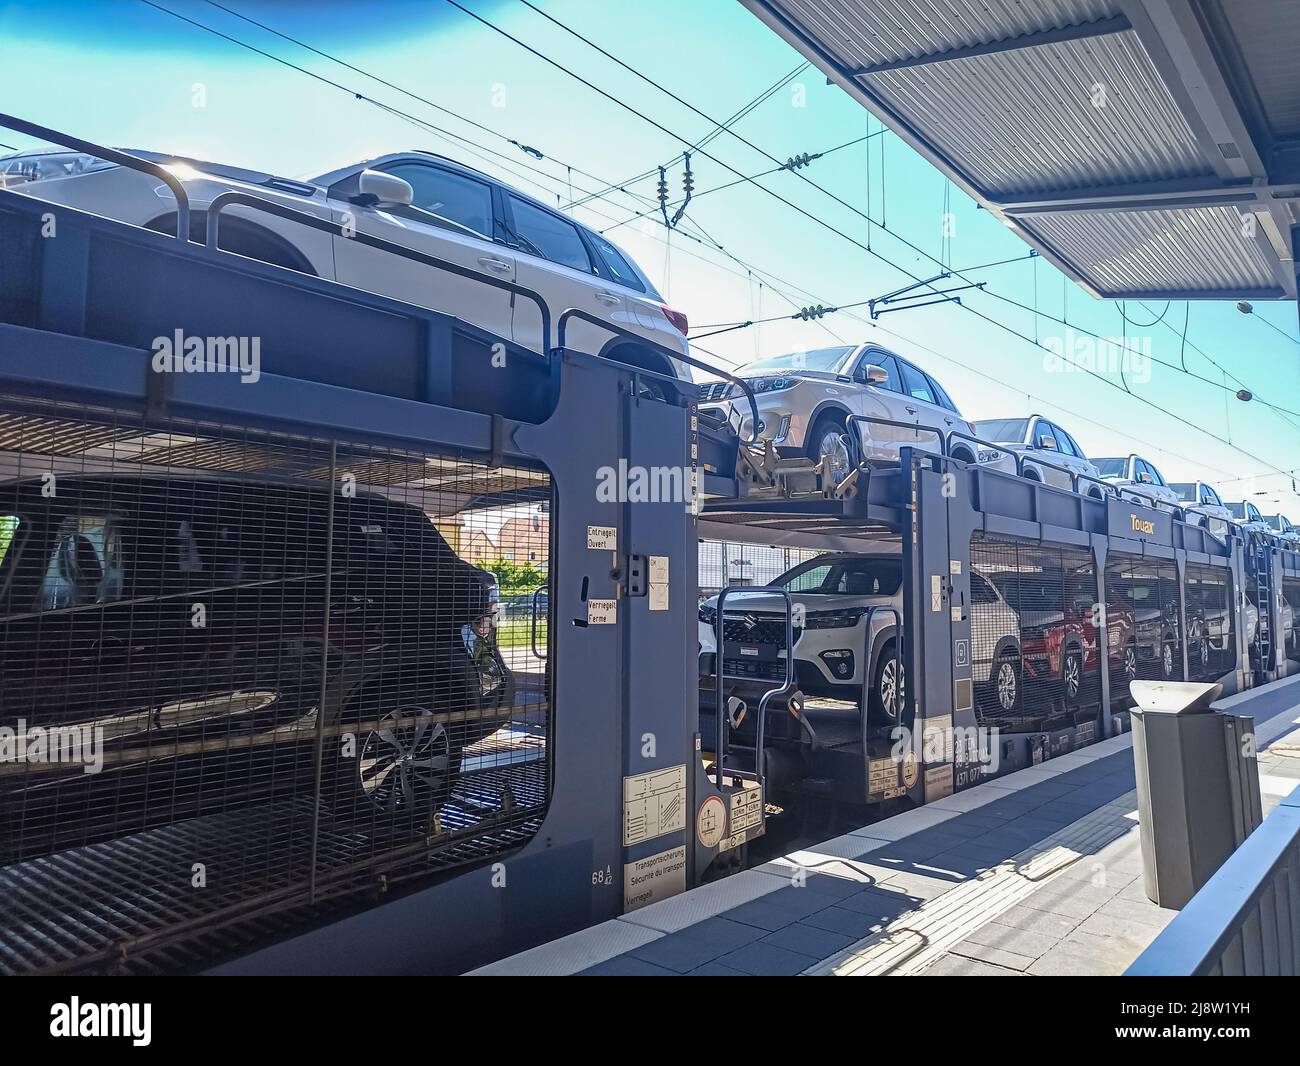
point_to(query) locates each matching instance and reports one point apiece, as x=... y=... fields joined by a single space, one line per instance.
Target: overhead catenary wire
x=793 y=206
x=814 y=218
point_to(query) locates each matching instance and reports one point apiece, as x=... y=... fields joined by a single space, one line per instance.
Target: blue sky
x=128 y=74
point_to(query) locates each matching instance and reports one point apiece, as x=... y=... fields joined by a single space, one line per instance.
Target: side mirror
x=871 y=374
x=377 y=189
x=1144 y=477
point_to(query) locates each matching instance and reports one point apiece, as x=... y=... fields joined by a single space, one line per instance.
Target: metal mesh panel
x=1211 y=636
x=1034 y=634
x=724 y=563
x=1291 y=616
x=246 y=675
x=1142 y=608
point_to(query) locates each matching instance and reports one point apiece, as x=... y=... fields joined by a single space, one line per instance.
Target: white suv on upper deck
x=806 y=400
x=416 y=199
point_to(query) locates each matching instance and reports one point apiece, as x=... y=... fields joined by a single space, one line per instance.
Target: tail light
x=679 y=320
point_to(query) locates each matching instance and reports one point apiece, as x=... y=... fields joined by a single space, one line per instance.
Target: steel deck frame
x=76 y=317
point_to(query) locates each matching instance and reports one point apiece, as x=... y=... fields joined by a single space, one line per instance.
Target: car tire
x=1006 y=681
x=401 y=763
x=1167 y=659
x=1130 y=666
x=1030 y=474
x=826 y=435
x=888 y=687
x=1072 y=675
x=963 y=455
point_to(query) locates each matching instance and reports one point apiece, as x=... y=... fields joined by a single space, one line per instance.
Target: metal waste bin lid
x=1174 y=697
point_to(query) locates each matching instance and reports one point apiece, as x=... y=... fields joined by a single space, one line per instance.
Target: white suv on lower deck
x=846 y=607
x=806 y=401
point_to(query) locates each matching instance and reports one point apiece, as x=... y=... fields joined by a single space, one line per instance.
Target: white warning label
x=602 y=612
x=602 y=537
x=654 y=804
x=654 y=878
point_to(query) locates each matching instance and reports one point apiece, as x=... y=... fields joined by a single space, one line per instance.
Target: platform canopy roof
x=1148 y=148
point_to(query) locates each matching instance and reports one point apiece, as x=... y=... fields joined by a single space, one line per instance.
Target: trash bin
x=1197 y=785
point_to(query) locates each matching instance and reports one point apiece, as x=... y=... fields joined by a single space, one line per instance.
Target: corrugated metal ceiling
x=1028 y=102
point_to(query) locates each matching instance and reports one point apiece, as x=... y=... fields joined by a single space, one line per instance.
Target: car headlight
x=708 y=615
x=841 y=619
x=771 y=384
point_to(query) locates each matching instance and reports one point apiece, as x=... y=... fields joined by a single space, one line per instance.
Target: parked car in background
x=805 y=400
x=1049 y=454
x=1138 y=480
x=420 y=200
x=1203 y=506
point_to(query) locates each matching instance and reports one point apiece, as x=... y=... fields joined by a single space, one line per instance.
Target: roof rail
x=111 y=155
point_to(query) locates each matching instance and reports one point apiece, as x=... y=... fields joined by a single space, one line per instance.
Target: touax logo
x=102 y=1019
x=1143 y=525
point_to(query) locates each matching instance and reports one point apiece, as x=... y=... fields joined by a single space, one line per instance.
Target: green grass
x=518 y=633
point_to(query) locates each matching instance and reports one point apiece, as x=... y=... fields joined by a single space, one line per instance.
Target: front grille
x=713 y=391
x=763 y=671
x=751 y=628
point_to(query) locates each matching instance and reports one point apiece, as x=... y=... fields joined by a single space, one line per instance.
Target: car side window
x=85 y=565
x=1208 y=495
x=541 y=233
x=1063 y=441
x=620 y=270
x=809 y=580
x=1045 y=436
x=915 y=383
x=887 y=363
x=981 y=591
x=455 y=197
x=1072 y=443
x=945 y=401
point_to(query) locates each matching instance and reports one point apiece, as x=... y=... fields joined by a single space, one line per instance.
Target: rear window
x=616 y=264
x=1111 y=467
x=1185 y=491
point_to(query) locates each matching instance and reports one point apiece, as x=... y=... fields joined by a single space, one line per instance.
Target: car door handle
x=910 y=409
x=493 y=263
x=609 y=299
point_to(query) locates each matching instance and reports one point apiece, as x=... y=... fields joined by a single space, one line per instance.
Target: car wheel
x=963 y=455
x=1030 y=474
x=1205 y=652
x=407 y=765
x=1167 y=659
x=827 y=439
x=1006 y=681
x=888 y=693
x=1072 y=676
x=1130 y=662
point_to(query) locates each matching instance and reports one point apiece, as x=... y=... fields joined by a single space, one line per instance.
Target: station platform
x=1037 y=873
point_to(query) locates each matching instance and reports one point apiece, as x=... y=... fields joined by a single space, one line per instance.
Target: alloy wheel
x=406 y=760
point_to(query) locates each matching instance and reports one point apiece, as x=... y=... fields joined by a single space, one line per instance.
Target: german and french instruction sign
x=654 y=804
x=654 y=878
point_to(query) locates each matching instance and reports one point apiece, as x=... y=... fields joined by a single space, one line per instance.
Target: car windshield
x=1185 y=489
x=1111 y=467
x=1276 y=521
x=1002 y=430
x=826 y=360
x=860 y=576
